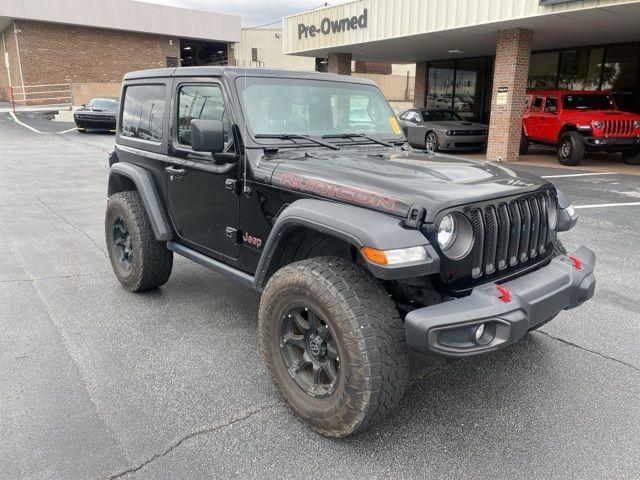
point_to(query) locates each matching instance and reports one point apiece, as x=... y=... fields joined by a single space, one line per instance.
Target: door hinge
x=231 y=184
x=234 y=235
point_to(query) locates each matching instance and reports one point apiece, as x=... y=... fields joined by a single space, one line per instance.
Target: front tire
x=431 y=142
x=139 y=261
x=631 y=158
x=334 y=344
x=571 y=149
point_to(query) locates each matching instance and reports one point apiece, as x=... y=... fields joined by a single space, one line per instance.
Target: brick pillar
x=511 y=70
x=420 y=89
x=339 y=63
x=231 y=54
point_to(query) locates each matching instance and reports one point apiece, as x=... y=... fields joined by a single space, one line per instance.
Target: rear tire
x=524 y=144
x=631 y=158
x=139 y=261
x=558 y=249
x=328 y=315
x=431 y=142
x=571 y=149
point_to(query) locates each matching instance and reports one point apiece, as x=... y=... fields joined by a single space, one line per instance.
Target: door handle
x=175 y=172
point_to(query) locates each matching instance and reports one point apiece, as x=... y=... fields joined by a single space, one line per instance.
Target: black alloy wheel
x=309 y=351
x=122 y=243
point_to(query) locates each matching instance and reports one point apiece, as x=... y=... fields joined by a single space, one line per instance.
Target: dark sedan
x=98 y=114
x=436 y=129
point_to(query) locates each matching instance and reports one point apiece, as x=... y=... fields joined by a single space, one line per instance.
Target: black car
x=301 y=185
x=99 y=113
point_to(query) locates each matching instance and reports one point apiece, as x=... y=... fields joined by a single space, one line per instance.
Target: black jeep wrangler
x=302 y=186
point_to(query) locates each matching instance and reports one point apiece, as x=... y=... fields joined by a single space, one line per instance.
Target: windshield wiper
x=293 y=136
x=358 y=135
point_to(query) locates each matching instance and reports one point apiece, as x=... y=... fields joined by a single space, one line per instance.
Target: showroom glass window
x=580 y=69
x=440 y=82
x=622 y=76
x=143 y=112
x=543 y=69
x=199 y=102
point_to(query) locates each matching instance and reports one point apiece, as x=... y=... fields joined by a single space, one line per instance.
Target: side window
x=405 y=115
x=414 y=116
x=143 y=112
x=536 y=104
x=551 y=105
x=199 y=102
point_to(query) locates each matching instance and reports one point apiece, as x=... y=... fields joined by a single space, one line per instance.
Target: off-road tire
x=631 y=158
x=151 y=262
x=524 y=144
x=434 y=141
x=574 y=145
x=558 y=249
x=369 y=336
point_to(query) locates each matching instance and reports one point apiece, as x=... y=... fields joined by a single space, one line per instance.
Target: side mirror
x=207 y=136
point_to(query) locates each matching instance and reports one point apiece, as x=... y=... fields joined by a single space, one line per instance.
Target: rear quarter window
x=143 y=112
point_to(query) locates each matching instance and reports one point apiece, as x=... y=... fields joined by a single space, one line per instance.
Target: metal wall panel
x=389 y=19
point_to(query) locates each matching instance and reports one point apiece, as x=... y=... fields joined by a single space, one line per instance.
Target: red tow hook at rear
x=577 y=263
x=505 y=294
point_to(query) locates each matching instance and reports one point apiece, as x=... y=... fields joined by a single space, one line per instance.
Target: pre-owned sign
x=328 y=26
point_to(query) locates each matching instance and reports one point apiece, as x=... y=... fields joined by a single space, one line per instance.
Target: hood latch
x=415 y=216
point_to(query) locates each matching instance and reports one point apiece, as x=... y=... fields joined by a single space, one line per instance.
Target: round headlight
x=636 y=124
x=447 y=231
x=552 y=213
x=598 y=124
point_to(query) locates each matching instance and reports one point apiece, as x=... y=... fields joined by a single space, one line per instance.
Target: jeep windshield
x=285 y=108
x=587 y=101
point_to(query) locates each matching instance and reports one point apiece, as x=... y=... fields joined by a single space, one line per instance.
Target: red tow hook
x=577 y=263
x=505 y=295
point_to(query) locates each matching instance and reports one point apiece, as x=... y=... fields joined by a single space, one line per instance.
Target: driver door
x=203 y=210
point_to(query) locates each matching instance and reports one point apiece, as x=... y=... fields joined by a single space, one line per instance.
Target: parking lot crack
x=72 y=225
x=588 y=350
x=201 y=431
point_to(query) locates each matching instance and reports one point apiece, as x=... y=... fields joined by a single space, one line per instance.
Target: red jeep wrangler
x=579 y=121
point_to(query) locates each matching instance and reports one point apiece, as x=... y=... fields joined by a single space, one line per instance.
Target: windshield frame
x=238 y=84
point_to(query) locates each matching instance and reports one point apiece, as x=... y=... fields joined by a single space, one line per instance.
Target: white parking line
x=13 y=115
x=580 y=174
x=604 y=205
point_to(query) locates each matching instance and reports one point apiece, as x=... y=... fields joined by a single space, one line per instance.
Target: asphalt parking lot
x=101 y=383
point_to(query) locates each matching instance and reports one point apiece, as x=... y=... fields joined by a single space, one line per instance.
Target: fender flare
x=355 y=225
x=150 y=198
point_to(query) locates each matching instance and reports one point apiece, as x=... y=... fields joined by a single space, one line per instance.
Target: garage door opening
x=198 y=53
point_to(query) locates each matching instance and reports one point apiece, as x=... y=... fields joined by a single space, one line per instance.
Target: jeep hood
x=393 y=181
x=586 y=116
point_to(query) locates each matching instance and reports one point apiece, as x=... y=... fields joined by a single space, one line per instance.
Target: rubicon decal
x=340 y=192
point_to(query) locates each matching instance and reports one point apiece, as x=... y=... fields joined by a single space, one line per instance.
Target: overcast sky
x=252 y=12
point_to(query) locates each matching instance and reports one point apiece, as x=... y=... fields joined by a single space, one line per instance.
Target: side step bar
x=218 y=267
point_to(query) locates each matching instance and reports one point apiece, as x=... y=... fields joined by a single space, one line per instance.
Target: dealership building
x=66 y=51
x=483 y=53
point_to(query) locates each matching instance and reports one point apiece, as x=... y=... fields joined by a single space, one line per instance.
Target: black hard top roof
x=239 y=72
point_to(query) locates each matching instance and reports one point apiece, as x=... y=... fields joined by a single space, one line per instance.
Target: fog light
x=479 y=331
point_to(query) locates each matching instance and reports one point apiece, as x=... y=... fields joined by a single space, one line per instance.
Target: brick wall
x=511 y=69
x=420 y=93
x=339 y=63
x=56 y=53
x=14 y=71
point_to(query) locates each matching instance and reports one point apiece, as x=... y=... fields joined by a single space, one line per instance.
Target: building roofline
x=127 y=15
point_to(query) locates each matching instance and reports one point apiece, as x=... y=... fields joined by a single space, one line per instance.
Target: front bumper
x=448 y=329
x=612 y=143
x=462 y=143
x=95 y=123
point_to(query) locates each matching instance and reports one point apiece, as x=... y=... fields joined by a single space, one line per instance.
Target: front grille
x=618 y=127
x=509 y=234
